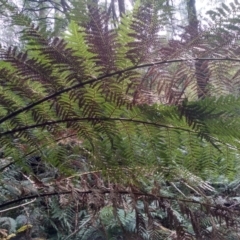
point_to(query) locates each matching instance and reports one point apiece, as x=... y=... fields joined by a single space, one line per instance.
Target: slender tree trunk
x=42 y=15
x=201 y=67
x=92 y=8
x=192 y=15
x=121 y=6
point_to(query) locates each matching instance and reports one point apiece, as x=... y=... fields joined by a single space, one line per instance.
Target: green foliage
x=104 y=132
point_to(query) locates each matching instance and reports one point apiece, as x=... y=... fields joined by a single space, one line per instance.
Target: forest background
x=119 y=120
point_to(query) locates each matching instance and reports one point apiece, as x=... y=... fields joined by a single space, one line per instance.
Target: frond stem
x=48 y=123
x=96 y=79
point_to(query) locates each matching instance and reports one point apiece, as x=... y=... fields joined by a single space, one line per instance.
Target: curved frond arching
x=118 y=134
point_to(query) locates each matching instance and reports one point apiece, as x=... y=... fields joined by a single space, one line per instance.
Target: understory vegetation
x=116 y=130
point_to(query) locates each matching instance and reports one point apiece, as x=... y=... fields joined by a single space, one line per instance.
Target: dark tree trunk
x=121 y=6
x=94 y=14
x=192 y=15
x=65 y=6
x=201 y=67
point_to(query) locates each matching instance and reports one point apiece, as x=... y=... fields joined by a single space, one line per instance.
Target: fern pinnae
x=76 y=40
x=56 y=52
x=31 y=69
x=101 y=41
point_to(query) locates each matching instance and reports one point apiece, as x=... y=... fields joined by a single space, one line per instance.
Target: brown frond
x=146 y=26
x=101 y=40
x=56 y=52
x=27 y=67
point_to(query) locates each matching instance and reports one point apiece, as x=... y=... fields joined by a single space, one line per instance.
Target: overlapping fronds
x=120 y=120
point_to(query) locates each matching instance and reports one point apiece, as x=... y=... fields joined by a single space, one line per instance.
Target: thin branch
x=53 y=3
x=48 y=123
x=108 y=191
x=36 y=196
x=174 y=186
x=93 y=80
x=42 y=8
x=73 y=233
x=18 y=206
x=16 y=130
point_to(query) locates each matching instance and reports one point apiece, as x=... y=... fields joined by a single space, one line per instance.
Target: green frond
x=76 y=40
x=112 y=134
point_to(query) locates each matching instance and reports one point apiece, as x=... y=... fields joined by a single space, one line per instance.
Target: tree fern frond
x=101 y=41
x=140 y=137
x=76 y=40
x=145 y=27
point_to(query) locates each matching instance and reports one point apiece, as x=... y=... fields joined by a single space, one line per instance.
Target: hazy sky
x=205 y=5
x=202 y=5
